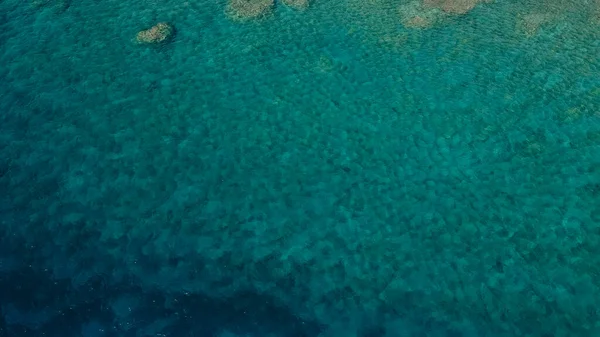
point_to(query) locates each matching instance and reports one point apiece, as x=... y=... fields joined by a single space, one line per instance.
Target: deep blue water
x=327 y=172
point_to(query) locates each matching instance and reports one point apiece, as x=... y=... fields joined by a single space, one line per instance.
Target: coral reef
x=415 y=15
x=422 y=14
x=160 y=32
x=530 y=24
x=241 y=10
x=452 y=6
x=296 y=4
x=596 y=12
x=329 y=166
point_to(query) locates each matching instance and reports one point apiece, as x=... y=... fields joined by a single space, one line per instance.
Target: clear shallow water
x=318 y=172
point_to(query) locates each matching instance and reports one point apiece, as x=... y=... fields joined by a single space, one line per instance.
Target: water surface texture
x=351 y=168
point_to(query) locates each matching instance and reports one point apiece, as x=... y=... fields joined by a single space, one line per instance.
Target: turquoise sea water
x=327 y=172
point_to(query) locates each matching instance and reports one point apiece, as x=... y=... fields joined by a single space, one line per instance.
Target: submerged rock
x=40 y=3
x=248 y=9
x=423 y=14
x=296 y=4
x=160 y=32
x=453 y=6
x=58 y=5
x=530 y=24
x=415 y=15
